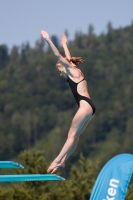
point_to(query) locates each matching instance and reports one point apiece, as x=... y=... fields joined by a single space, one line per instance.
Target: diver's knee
x=73 y=134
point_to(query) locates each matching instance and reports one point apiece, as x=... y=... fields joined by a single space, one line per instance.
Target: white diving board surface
x=30 y=177
x=10 y=164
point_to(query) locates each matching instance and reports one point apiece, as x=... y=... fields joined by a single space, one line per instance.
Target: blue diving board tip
x=10 y=164
x=30 y=177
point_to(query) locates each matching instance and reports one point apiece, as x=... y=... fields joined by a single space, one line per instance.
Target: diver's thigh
x=80 y=117
x=80 y=121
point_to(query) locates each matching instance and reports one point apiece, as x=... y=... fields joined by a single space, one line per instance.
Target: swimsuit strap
x=73 y=81
x=81 y=80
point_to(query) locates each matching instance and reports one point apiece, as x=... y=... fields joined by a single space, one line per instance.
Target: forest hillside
x=36 y=104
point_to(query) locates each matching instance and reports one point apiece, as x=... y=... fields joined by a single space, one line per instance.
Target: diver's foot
x=55 y=167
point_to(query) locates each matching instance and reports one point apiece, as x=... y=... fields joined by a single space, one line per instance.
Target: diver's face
x=62 y=71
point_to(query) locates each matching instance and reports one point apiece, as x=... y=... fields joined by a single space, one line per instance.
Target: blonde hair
x=74 y=60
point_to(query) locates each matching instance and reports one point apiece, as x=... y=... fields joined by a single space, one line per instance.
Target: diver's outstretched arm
x=64 y=45
x=45 y=35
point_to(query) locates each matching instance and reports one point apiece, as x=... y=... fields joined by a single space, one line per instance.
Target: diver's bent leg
x=80 y=121
x=75 y=143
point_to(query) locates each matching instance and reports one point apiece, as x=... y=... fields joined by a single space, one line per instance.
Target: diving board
x=30 y=177
x=10 y=164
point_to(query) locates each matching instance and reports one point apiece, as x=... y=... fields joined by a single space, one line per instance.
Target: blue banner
x=113 y=180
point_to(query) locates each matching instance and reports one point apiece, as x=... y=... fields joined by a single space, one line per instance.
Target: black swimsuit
x=77 y=96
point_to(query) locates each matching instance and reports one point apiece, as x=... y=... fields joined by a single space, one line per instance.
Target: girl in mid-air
x=69 y=70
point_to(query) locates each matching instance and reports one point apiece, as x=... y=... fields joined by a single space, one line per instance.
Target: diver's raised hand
x=44 y=34
x=63 y=39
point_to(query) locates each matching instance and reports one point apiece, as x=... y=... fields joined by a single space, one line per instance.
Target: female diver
x=69 y=70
